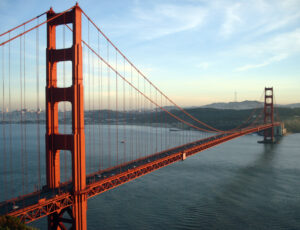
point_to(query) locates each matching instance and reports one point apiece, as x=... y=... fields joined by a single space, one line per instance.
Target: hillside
x=245 y=105
x=223 y=119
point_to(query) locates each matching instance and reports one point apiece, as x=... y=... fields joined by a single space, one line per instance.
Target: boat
x=174 y=130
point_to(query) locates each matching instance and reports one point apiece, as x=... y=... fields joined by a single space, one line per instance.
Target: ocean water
x=237 y=185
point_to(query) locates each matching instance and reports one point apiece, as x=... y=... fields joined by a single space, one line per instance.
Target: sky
x=196 y=51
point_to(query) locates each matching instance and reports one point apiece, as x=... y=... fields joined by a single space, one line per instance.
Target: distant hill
x=222 y=119
x=235 y=105
x=244 y=105
x=295 y=105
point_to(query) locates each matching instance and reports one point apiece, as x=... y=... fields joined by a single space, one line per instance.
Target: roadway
x=46 y=193
x=46 y=201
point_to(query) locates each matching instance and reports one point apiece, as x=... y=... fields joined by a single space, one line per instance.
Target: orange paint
x=74 y=94
x=269 y=115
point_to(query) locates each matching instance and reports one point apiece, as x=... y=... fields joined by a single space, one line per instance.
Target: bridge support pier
x=55 y=141
x=59 y=221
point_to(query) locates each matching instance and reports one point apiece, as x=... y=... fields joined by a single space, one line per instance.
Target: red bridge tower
x=55 y=141
x=269 y=115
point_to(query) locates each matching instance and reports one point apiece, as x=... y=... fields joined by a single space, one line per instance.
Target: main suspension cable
x=140 y=73
x=139 y=91
x=24 y=23
x=32 y=28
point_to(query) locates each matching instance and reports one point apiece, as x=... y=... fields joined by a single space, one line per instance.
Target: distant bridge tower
x=55 y=141
x=269 y=115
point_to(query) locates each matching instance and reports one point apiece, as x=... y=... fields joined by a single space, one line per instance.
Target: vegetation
x=291 y=119
x=12 y=223
x=223 y=119
x=293 y=125
x=228 y=119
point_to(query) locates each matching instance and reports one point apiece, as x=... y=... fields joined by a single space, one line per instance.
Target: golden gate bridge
x=105 y=122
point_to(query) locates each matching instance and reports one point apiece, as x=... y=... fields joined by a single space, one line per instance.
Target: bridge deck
x=41 y=203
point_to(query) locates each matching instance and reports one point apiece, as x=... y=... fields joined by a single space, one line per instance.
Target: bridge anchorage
x=173 y=135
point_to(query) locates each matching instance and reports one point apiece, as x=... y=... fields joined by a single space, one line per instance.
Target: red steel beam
x=43 y=208
x=56 y=141
x=122 y=178
x=47 y=207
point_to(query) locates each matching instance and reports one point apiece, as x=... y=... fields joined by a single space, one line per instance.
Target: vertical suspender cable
x=151 y=120
x=93 y=112
x=10 y=121
x=99 y=104
x=38 y=106
x=4 y=126
x=25 y=121
x=21 y=116
x=117 y=134
x=145 y=121
x=108 y=107
x=156 y=121
x=141 y=119
x=148 y=124
x=145 y=139
x=182 y=131
x=131 y=107
x=161 y=124
x=124 y=118
x=166 y=125
x=138 y=117
x=137 y=121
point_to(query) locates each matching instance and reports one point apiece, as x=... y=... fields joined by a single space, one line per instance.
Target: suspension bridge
x=98 y=123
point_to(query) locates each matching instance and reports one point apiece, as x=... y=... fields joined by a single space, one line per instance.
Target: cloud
x=284 y=43
x=165 y=19
x=273 y=26
x=265 y=63
x=232 y=18
x=272 y=50
x=254 y=18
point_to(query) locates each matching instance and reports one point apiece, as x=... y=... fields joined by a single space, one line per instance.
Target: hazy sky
x=197 y=52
